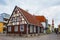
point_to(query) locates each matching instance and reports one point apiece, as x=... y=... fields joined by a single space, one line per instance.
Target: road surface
x=43 y=37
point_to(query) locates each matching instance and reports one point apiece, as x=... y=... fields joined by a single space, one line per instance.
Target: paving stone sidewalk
x=44 y=37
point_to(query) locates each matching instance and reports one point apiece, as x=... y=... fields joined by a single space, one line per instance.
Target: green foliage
x=48 y=31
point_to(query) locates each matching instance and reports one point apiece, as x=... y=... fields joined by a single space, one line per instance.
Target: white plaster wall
x=44 y=24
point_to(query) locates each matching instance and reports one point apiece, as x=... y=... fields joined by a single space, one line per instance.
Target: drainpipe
x=27 y=28
x=38 y=30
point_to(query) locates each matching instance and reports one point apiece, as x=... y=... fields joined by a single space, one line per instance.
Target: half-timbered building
x=22 y=22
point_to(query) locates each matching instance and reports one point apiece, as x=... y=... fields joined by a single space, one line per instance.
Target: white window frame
x=15 y=28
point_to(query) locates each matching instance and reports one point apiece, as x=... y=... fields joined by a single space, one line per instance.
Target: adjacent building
x=1 y=24
x=43 y=21
x=59 y=28
x=3 y=21
x=22 y=22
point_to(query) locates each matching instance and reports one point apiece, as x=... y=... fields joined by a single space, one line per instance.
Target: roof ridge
x=31 y=19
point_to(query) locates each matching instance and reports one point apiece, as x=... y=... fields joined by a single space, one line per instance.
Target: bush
x=48 y=31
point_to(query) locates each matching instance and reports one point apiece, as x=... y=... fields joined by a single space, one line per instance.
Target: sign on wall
x=21 y=28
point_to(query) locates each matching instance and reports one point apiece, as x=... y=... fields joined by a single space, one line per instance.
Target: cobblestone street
x=43 y=37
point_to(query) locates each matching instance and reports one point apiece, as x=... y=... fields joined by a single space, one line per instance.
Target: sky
x=48 y=8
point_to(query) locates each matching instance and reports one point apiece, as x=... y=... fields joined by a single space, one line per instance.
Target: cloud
x=52 y=13
x=49 y=8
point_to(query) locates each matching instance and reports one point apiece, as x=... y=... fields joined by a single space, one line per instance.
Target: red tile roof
x=30 y=18
x=41 y=18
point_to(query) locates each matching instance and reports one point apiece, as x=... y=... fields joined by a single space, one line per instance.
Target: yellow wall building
x=1 y=27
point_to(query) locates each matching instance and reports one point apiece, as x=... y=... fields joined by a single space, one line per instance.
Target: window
x=16 y=28
x=18 y=18
x=9 y=29
x=21 y=28
x=34 y=29
x=13 y=19
x=31 y=29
